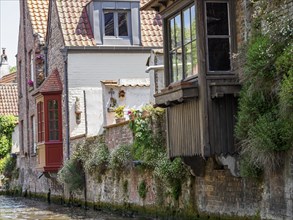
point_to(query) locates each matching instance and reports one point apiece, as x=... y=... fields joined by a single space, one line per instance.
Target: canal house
x=66 y=48
x=201 y=84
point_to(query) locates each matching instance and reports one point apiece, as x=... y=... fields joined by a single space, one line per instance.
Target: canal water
x=21 y=208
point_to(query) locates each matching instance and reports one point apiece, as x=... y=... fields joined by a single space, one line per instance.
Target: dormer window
x=115 y=22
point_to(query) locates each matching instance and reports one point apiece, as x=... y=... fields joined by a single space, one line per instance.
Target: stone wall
x=118 y=134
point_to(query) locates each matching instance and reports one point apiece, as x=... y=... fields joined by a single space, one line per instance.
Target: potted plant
x=119 y=114
x=40 y=58
x=30 y=84
x=132 y=113
x=146 y=110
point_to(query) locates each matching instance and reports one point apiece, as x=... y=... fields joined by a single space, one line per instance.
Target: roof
x=38 y=10
x=8 y=99
x=138 y=82
x=51 y=84
x=76 y=26
x=157 y=5
x=75 y=23
x=9 y=78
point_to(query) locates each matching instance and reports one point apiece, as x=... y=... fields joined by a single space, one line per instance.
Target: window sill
x=218 y=90
x=176 y=94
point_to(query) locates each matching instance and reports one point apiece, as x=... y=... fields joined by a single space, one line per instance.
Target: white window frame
x=31 y=57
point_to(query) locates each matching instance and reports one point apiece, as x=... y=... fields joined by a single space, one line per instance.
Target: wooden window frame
x=201 y=37
x=41 y=122
x=183 y=44
x=48 y=98
x=33 y=134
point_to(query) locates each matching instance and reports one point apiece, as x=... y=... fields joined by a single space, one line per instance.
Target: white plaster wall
x=88 y=69
x=135 y=97
x=85 y=73
x=94 y=108
x=76 y=129
x=156 y=76
x=92 y=111
x=15 y=140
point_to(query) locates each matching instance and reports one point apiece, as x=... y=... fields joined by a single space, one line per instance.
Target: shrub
x=121 y=158
x=98 y=159
x=8 y=167
x=72 y=175
x=264 y=121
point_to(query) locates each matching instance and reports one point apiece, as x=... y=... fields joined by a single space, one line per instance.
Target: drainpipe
x=65 y=59
x=156 y=67
x=26 y=80
x=46 y=61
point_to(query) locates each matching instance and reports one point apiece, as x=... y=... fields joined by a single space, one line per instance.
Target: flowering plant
x=40 y=57
x=30 y=83
x=119 y=111
x=132 y=113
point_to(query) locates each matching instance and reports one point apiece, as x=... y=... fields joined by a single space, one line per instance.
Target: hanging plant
x=40 y=58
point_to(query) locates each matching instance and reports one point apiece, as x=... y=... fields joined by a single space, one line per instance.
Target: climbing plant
x=149 y=148
x=265 y=116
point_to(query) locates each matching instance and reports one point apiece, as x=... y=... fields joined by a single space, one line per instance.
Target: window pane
x=194 y=58
x=187 y=60
x=172 y=33
x=122 y=24
x=178 y=30
x=179 y=64
x=186 y=20
x=193 y=23
x=174 y=66
x=217 y=18
x=219 y=58
x=109 y=23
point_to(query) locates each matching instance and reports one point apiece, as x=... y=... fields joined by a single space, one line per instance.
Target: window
x=182 y=35
x=53 y=120
x=182 y=44
x=41 y=128
x=33 y=133
x=218 y=36
x=116 y=23
x=20 y=77
x=32 y=78
x=21 y=137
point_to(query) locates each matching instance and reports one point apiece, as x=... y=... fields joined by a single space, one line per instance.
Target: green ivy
x=265 y=116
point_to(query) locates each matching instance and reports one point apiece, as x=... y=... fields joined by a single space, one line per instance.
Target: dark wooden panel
x=184 y=129
x=222 y=114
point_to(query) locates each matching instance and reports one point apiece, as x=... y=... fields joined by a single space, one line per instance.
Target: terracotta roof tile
x=38 y=10
x=52 y=83
x=9 y=78
x=76 y=27
x=75 y=23
x=8 y=99
x=77 y=30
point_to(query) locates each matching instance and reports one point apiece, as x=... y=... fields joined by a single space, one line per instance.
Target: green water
x=21 y=208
